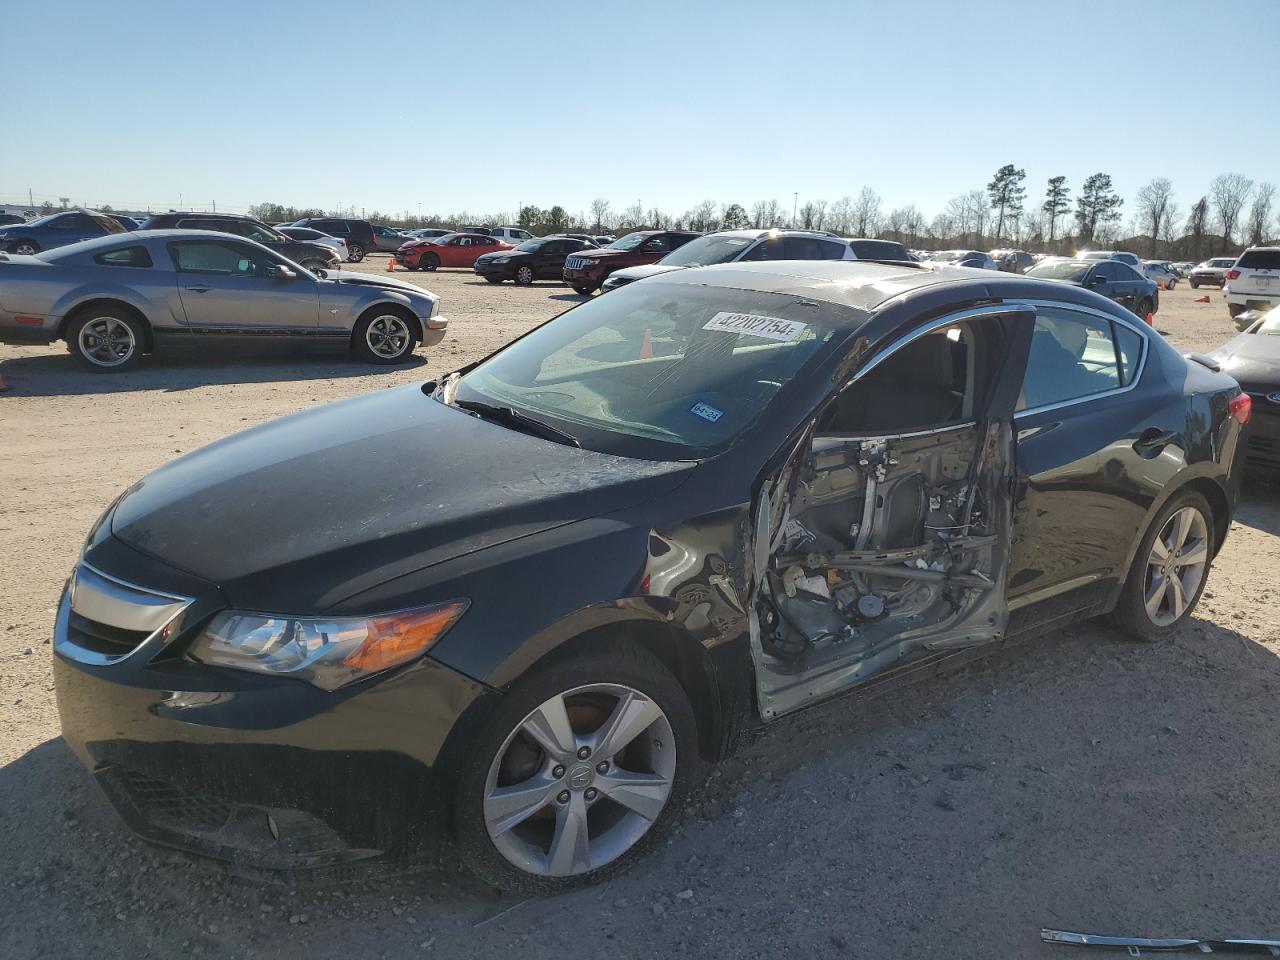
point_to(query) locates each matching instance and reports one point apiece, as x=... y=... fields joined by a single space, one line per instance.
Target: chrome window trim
x=1136 y=327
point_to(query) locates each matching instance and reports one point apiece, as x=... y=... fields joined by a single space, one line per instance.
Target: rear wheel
x=106 y=340
x=584 y=291
x=27 y=248
x=523 y=275
x=384 y=336
x=1194 y=285
x=582 y=766
x=355 y=253
x=1169 y=570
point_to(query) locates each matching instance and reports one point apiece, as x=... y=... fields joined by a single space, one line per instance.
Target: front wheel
x=429 y=261
x=106 y=340
x=1169 y=570
x=523 y=276
x=384 y=336
x=27 y=249
x=355 y=253
x=582 y=766
x=584 y=291
x=1194 y=285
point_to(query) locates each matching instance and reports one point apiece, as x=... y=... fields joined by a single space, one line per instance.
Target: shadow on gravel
x=185 y=368
x=1260 y=504
x=1076 y=781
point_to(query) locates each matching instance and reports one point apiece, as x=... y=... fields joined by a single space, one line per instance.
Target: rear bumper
x=267 y=773
x=1259 y=301
x=28 y=329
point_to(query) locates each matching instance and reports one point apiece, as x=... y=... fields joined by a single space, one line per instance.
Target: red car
x=451 y=250
x=585 y=271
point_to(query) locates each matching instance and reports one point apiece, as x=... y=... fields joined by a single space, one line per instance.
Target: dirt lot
x=1078 y=782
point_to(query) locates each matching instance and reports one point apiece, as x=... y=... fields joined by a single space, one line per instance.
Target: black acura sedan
x=521 y=606
x=541 y=258
x=1253 y=359
x=1112 y=279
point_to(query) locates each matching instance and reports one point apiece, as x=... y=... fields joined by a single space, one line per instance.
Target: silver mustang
x=116 y=297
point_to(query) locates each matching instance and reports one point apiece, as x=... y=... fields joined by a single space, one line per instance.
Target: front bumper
x=486 y=269
x=1262 y=442
x=591 y=276
x=264 y=772
x=433 y=330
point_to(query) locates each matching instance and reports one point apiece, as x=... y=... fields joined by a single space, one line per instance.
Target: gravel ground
x=1078 y=781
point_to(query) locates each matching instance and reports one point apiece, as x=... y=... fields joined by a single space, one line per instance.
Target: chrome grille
x=107 y=619
x=575 y=263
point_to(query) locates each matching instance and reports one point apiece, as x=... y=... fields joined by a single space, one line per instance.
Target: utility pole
x=795 y=205
x=30 y=202
x=215 y=206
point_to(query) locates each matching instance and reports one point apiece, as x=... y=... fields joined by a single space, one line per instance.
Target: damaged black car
x=513 y=613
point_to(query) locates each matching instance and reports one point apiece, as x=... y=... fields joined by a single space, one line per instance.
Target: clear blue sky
x=481 y=105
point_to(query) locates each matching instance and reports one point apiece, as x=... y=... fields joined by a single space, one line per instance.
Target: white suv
x=512 y=235
x=1253 y=283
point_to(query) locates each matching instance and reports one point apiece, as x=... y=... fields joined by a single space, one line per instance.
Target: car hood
x=355 y=279
x=300 y=513
x=649 y=270
x=1253 y=359
x=602 y=252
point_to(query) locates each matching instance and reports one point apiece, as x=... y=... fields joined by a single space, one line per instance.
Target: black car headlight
x=328 y=652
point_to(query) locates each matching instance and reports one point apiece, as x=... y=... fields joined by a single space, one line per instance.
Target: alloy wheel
x=580 y=780
x=107 y=342
x=25 y=249
x=1176 y=567
x=388 y=336
x=524 y=275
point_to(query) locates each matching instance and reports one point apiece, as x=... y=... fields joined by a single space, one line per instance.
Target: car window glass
x=124 y=257
x=255 y=232
x=1107 y=271
x=72 y=221
x=228 y=259
x=1072 y=357
x=1129 y=349
x=662 y=244
x=770 y=249
x=808 y=248
x=1260 y=260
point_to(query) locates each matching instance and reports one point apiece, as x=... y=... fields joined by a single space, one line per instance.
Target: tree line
x=1061 y=218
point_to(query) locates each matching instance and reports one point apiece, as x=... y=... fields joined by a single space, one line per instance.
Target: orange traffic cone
x=1204 y=299
x=1150 y=318
x=1162 y=285
x=646 y=345
x=391 y=265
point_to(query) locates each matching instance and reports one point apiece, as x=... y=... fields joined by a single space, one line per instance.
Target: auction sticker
x=754 y=325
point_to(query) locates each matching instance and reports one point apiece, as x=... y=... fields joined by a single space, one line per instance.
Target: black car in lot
x=541 y=258
x=521 y=605
x=1112 y=279
x=1253 y=359
x=307 y=253
x=358 y=234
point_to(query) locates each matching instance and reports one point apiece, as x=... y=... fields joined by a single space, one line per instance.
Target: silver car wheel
x=580 y=780
x=388 y=336
x=1176 y=567
x=524 y=275
x=107 y=342
x=25 y=249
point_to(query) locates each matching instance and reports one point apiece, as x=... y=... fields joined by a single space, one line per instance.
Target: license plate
x=1262 y=282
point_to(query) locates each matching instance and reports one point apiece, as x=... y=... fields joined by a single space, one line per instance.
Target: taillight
x=1233 y=274
x=1241 y=407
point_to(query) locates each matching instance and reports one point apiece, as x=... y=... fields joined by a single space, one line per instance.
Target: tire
x=523 y=276
x=1194 y=285
x=584 y=291
x=1235 y=309
x=384 y=335
x=27 y=248
x=1131 y=614
x=591 y=686
x=106 y=339
x=1144 y=307
x=355 y=253
x=429 y=261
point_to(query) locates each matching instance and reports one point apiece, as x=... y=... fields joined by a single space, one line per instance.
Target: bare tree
x=600 y=212
x=808 y=215
x=759 y=214
x=840 y=215
x=1229 y=193
x=865 y=214
x=1152 y=209
x=820 y=213
x=1260 y=213
x=1196 y=224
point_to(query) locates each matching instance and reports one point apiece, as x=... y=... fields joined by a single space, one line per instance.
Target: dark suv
x=312 y=255
x=357 y=233
x=56 y=230
x=585 y=272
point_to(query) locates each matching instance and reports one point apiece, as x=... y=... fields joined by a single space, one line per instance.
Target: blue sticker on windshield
x=706 y=411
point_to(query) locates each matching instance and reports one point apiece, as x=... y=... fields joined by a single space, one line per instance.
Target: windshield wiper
x=519 y=421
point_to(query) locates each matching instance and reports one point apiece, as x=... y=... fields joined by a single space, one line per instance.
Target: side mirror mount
x=1097 y=280
x=280 y=272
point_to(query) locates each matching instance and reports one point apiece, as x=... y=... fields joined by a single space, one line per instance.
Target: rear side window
x=124 y=257
x=1074 y=356
x=1260 y=259
x=1129 y=352
x=809 y=248
x=878 y=250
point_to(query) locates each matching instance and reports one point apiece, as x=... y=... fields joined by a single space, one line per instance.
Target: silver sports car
x=117 y=297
